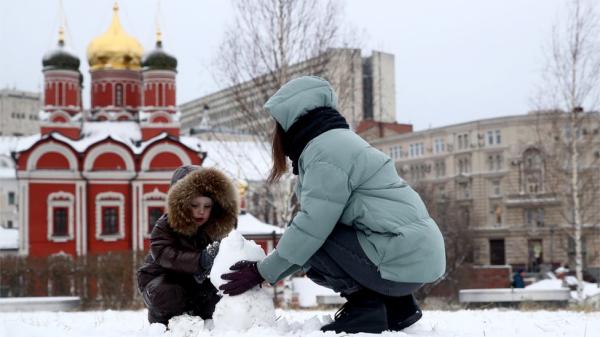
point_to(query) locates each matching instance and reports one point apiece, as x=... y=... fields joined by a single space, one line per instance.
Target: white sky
x=456 y=60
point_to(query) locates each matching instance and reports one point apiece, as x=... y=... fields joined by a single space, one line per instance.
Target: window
x=60 y=221
x=440 y=168
x=533 y=171
x=9 y=224
x=464 y=165
x=11 y=198
x=110 y=222
x=439 y=145
x=416 y=150
x=119 y=94
x=493 y=137
x=498 y=162
x=495 y=188
x=110 y=216
x=396 y=152
x=463 y=141
x=154 y=213
x=534 y=217
x=497 y=253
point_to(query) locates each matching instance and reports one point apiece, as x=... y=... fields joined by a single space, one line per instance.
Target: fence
x=104 y=281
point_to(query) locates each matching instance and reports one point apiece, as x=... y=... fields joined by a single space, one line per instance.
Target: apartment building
x=496 y=173
x=365 y=87
x=19 y=112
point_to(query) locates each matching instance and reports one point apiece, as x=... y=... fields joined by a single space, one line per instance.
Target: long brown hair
x=279 y=161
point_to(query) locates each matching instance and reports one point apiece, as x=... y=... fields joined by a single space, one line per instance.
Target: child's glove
x=207 y=258
x=244 y=278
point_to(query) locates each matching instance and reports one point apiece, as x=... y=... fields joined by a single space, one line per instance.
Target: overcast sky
x=456 y=60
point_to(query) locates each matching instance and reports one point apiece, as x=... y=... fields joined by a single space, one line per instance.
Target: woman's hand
x=245 y=276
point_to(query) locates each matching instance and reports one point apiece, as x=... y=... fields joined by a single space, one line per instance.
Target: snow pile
x=248 y=224
x=308 y=291
x=252 y=308
x=589 y=289
x=463 y=323
x=9 y=238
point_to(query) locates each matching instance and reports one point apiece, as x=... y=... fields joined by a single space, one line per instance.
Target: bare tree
x=454 y=221
x=567 y=134
x=271 y=42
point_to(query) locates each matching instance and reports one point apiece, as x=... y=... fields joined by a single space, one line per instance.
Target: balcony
x=526 y=200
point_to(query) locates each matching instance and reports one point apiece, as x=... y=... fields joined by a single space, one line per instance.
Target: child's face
x=201 y=207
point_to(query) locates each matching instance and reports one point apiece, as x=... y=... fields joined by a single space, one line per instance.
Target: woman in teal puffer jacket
x=361 y=229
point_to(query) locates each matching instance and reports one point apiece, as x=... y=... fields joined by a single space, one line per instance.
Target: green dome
x=60 y=58
x=158 y=59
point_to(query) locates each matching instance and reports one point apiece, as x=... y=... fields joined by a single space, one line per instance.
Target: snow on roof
x=10 y=144
x=248 y=224
x=240 y=159
x=9 y=238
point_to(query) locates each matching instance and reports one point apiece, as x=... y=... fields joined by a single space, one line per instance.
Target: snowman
x=252 y=308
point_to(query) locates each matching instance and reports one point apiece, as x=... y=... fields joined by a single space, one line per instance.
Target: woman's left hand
x=245 y=276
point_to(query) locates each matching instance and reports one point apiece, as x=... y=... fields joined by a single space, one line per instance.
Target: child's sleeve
x=168 y=256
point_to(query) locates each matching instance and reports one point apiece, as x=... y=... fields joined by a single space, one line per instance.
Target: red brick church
x=96 y=179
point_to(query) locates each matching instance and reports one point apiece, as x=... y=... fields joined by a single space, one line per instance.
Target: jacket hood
x=211 y=183
x=299 y=96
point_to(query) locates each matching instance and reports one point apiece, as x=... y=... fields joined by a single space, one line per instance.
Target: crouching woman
x=202 y=208
x=361 y=229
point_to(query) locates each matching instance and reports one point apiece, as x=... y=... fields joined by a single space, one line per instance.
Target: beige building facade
x=495 y=172
x=19 y=112
x=365 y=88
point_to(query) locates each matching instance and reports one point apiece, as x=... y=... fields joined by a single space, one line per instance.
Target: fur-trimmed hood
x=211 y=183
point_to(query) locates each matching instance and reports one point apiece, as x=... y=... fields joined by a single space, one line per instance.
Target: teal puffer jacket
x=343 y=179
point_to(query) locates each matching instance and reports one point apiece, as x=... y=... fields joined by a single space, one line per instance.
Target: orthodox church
x=96 y=180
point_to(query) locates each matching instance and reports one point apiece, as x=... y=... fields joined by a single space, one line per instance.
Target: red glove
x=244 y=278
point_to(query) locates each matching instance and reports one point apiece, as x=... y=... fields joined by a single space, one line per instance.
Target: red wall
x=165 y=161
x=38 y=224
x=109 y=161
x=52 y=160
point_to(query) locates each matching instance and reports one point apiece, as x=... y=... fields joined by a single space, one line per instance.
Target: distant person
x=202 y=208
x=361 y=229
x=518 y=281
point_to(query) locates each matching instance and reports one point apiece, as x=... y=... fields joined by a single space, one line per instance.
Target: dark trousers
x=167 y=296
x=341 y=264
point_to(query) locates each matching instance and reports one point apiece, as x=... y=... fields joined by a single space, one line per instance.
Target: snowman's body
x=252 y=308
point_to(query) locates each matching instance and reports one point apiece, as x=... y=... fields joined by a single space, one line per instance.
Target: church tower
x=62 y=91
x=158 y=74
x=116 y=84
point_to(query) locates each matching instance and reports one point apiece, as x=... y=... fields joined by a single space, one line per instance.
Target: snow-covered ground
x=465 y=323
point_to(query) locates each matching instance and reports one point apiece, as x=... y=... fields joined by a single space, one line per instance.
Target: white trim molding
x=110 y=199
x=60 y=199
x=59 y=113
x=91 y=157
x=47 y=148
x=155 y=198
x=165 y=147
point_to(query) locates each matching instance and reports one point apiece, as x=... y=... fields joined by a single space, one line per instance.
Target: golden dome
x=115 y=49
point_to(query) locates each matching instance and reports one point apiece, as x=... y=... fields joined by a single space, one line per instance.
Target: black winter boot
x=364 y=312
x=402 y=312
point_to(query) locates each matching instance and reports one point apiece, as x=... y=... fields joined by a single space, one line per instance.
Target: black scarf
x=306 y=128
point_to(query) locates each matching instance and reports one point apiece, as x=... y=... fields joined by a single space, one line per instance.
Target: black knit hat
x=182 y=171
